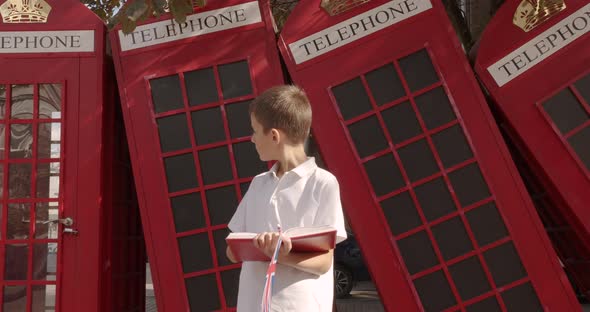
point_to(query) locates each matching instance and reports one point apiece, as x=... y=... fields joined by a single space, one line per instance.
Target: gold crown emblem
x=25 y=11
x=532 y=13
x=335 y=7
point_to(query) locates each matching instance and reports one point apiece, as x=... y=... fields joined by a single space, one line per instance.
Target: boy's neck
x=291 y=157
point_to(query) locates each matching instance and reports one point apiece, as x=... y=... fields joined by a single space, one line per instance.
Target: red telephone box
x=438 y=208
x=185 y=92
x=56 y=156
x=539 y=79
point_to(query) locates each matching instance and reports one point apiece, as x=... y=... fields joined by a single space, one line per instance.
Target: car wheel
x=343 y=281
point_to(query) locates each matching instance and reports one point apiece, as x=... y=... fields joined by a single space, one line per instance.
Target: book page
x=303 y=231
x=241 y=235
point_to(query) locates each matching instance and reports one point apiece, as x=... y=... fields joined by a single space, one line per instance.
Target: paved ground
x=363 y=298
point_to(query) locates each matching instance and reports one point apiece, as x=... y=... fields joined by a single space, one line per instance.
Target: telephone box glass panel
x=208 y=159
x=432 y=192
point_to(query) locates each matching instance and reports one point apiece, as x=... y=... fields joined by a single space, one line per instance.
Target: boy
x=294 y=192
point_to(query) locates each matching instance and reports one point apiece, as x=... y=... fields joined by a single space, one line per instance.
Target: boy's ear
x=276 y=135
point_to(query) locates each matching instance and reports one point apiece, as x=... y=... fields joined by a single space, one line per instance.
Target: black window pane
x=452 y=238
x=202 y=293
x=208 y=126
x=469 y=278
x=384 y=174
x=352 y=99
x=173 y=132
x=385 y=84
x=583 y=86
x=367 y=136
x=22 y=101
x=486 y=305
x=166 y=93
x=487 y=224
x=45 y=187
x=435 y=292
x=401 y=122
x=238 y=119
x=435 y=199
x=522 y=298
x=221 y=203
x=215 y=165
x=580 y=142
x=418 y=161
x=400 y=213
x=235 y=79
x=230 y=281
x=417 y=252
x=220 y=246
x=20 y=139
x=188 y=212
x=565 y=110
x=244 y=188
x=469 y=185
x=195 y=253
x=247 y=160
x=19 y=180
x=180 y=172
x=452 y=146
x=504 y=264
x=16 y=264
x=200 y=86
x=418 y=70
x=435 y=108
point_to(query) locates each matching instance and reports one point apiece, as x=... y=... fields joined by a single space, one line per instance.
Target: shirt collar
x=304 y=169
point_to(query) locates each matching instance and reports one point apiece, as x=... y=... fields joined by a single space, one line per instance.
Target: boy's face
x=265 y=142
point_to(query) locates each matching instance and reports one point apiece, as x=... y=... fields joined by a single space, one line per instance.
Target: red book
x=303 y=239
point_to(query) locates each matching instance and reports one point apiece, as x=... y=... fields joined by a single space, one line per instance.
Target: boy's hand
x=267 y=243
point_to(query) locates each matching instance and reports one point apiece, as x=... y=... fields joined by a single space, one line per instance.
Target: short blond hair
x=286 y=108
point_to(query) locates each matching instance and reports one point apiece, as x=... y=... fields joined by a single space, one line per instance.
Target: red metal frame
x=254 y=44
x=28 y=68
x=195 y=148
x=31 y=240
x=432 y=31
x=555 y=165
x=124 y=284
x=80 y=260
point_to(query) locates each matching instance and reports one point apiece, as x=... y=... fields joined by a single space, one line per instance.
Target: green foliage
x=103 y=8
x=281 y=10
x=128 y=13
x=180 y=9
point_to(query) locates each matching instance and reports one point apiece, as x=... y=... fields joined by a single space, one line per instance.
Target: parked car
x=349 y=267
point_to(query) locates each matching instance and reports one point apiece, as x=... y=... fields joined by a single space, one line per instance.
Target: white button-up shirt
x=304 y=196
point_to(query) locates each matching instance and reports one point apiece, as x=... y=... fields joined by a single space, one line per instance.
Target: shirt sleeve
x=238 y=221
x=330 y=209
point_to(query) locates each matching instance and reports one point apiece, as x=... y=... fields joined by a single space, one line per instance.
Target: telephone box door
x=48 y=188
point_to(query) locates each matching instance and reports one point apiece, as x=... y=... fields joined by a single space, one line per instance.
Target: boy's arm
x=230 y=255
x=316 y=263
